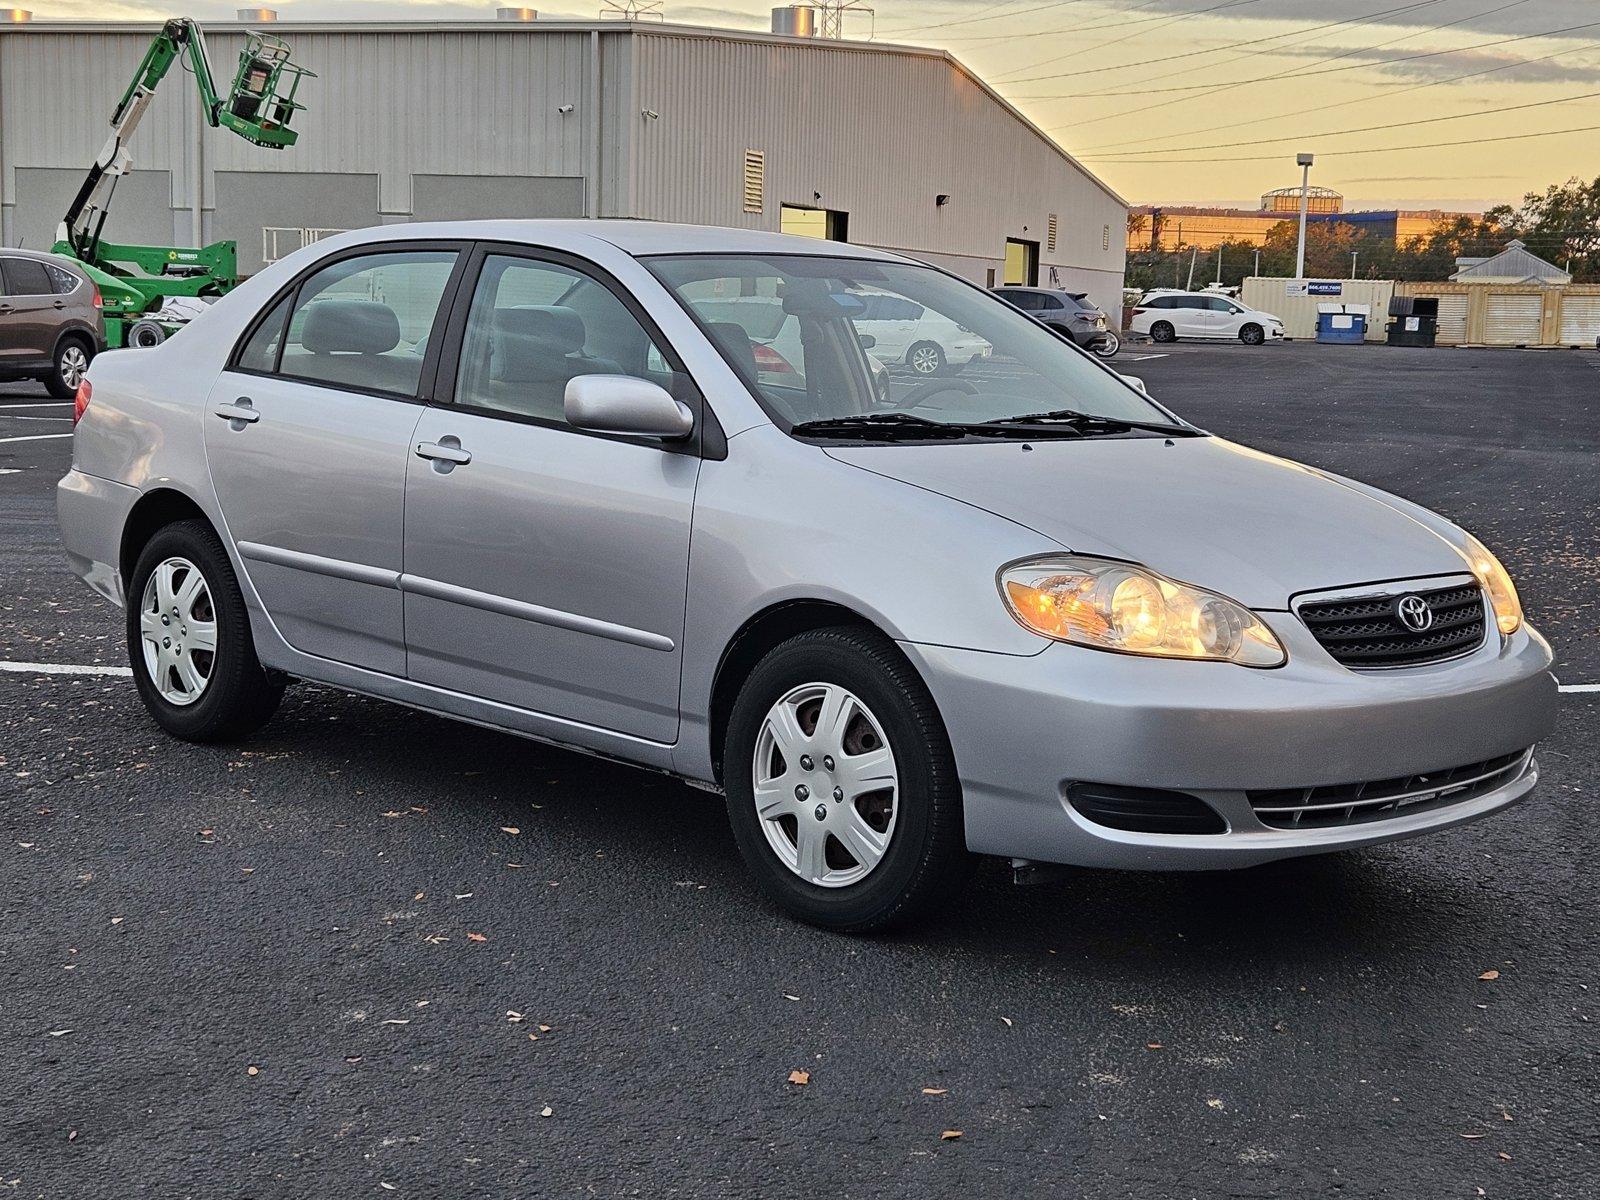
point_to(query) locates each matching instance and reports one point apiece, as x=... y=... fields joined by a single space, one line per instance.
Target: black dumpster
x=1414 y=321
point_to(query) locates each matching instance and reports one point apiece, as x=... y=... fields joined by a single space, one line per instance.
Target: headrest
x=553 y=324
x=350 y=326
x=735 y=342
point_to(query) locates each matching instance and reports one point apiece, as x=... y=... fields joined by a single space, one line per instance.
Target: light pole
x=1305 y=161
x=1354 y=254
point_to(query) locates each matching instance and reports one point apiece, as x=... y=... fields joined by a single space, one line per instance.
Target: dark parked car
x=1068 y=313
x=51 y=325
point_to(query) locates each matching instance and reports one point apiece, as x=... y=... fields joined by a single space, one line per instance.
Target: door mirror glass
x=623 y=404
x=868 y=342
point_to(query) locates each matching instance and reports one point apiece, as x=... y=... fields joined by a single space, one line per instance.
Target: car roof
x=55 y=260
x=638 y=238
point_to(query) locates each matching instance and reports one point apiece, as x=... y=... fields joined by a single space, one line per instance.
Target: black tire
x=239 y=696
x=1252 y=335
x=1109 y=347
x=927 y=359
x=146 y=335
x=1163 y=332
x=72 y=358
x=926 y=860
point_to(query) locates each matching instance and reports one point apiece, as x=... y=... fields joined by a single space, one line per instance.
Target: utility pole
x=1194 y=261
x=1354 y=254
x=1258 y=262
x=1219 y=262
x=1305 y=161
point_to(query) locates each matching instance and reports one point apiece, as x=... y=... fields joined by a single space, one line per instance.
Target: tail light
x=80 y=402
x=1137 y=311
x=98 y=300
x=770 y=361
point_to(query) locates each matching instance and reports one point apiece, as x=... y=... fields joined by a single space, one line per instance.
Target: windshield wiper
x=880 y=425
x=1091 y=423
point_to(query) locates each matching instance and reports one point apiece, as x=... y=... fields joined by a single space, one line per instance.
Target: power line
x=1305 y=74
x=1117 y=22
x=1484 y=141
x=1387 y=93
x=1163 y=23
x=1306 y=137
x=988 y=14
x=1235 y=45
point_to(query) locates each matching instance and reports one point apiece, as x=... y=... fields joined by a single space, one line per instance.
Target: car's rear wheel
x=1252 y=335
x=70 y=365
x=1163 y=332
x=194 y=661
x=926 y=358
x=841 y=785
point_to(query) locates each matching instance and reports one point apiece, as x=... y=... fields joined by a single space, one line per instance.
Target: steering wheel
x=918 y=394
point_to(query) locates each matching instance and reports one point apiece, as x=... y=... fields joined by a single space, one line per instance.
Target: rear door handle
x=241 y=410
x=445 y=450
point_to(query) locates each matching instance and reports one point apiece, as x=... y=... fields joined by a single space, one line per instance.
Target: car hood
x=1254 y=527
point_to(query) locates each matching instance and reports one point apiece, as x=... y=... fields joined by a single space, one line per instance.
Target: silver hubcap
x=74 y=362
x=925 y=361
x=826 y=787
x=178 y=631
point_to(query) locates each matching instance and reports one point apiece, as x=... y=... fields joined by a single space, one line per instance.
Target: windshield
x=831 y=339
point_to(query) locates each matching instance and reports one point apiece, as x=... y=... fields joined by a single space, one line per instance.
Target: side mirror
x=623 y=404
x=868 y=342
x=1136 y=384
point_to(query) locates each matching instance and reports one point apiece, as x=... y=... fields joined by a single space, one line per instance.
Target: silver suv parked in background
x=541 y=476
x=51 y=325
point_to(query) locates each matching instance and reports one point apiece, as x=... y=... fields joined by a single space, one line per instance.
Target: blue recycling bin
x=1342 y=324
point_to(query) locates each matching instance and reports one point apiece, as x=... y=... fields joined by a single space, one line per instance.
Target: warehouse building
x=894 y=147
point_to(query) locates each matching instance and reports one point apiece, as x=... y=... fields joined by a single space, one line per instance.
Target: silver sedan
x=638 y=490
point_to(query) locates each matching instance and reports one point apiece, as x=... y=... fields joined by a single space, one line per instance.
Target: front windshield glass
x=830 y=339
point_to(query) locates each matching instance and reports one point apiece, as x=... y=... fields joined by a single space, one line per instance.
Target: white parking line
x=1143 y=357
x=42 y=404
x=1582 y=687
x=34 y=437
x=24 y=668
x=23 y=417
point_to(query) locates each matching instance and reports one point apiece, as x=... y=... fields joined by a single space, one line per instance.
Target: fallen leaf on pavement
x=950 y=1135
x=1490 y=976
x=59 y=1032
x=1153 y=1046
x=1503 y=1156
x=547 y=1111
x=511 y=829
x=800 y=1078
x=397 y=1021
x=252 y=1070
x=476 y=937
x=1472 y=1137
x=514 y=1017
x=934 y=1091
x=1009 y=1022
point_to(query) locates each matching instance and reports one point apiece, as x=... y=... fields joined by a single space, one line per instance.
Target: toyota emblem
x=1414 y=614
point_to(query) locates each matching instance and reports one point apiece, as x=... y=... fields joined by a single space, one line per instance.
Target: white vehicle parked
x=1166 y=316
x=908 y=335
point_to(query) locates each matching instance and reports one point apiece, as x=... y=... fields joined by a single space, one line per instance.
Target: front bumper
x=1024 y=728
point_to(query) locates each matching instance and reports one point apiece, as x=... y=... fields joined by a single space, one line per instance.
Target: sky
x=1208 y=101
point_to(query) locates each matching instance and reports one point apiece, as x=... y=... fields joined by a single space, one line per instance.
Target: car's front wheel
x=194 y=660
x=1163 y=332
x=841 y=785
x=70 y=365
x=1252 y=335
x=926 y=358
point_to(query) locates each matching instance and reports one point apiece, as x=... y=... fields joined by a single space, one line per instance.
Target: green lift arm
x=259 y=106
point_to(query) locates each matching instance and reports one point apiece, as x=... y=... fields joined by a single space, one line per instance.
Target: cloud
x=1505 y=64
x=1534 y=16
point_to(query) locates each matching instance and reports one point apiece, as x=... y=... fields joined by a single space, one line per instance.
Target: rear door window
x=363 y=323
x=27 y=277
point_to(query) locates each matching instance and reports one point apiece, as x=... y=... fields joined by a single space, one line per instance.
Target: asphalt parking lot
x=372 y=952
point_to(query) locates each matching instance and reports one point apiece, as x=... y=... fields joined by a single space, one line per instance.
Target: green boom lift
x=136 y=282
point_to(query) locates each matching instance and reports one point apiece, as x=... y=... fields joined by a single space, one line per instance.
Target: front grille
x=1366 y=632
x=1377 y=800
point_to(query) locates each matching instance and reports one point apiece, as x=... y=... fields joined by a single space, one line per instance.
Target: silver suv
x=545 y=477
x=51 y=325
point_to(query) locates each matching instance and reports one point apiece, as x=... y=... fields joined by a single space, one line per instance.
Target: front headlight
x=1121 y=607
x=1497 y=582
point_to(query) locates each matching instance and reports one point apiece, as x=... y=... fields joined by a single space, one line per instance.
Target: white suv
x=1168 y=316
x=907 y=334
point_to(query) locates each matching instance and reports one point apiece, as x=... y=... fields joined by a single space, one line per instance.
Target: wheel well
x=152 y=513
x=74 y=334
x=759 y=635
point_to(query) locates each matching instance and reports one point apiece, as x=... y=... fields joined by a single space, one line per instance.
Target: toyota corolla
x=532 y=475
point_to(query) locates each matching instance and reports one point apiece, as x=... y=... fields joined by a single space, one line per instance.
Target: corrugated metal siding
x=897 y=129
x=1453 y=319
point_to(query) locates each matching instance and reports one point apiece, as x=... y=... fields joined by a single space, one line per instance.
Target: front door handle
x=241 y=412
x=445 y=453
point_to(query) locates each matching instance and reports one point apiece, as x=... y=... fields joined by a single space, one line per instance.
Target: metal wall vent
x=755 y=181
x=1055 y=227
